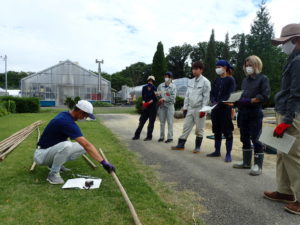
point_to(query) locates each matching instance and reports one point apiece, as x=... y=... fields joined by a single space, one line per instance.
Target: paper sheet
x=283 y=144
x=207 y=108
x=79 y=183
x=235 y=96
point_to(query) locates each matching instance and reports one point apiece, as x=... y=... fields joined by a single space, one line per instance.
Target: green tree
x=226 y=48
x=240 y=53
x=210 y=58
x=13 y=79
x=259 y=43
x=177 y=60
x=159 y=64
x=199 y=52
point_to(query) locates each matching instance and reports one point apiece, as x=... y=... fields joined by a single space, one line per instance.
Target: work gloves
x=146 y=105
x=107 y=166
x=202 y=114
x=280 y=129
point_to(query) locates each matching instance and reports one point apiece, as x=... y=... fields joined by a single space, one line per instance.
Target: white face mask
x=167 y=79
x=288 y=47
x=219 y=71
x=249 y=70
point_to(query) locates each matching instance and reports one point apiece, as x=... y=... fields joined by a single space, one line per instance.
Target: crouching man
x=53 y=148
x=197 y=96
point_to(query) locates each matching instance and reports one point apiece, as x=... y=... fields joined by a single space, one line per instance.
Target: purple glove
x=244 y=101
x=107 y=166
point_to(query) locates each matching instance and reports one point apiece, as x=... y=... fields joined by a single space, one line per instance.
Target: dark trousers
x=250 y=124
x=222 y=122
x=149 y=113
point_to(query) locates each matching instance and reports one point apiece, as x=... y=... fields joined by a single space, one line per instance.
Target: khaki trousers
x=288 y=165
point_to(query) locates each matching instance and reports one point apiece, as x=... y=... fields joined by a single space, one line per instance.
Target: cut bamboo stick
x=38 y=138
x=89 y=161
x=124 y=194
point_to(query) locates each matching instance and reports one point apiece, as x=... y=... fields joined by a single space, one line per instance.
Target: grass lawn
x=27 y=198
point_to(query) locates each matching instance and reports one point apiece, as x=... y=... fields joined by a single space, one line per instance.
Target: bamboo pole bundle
x=10 y=143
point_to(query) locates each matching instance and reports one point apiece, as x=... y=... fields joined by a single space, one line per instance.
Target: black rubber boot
x=198 y=143
x=217 y=152
x=180 y=145
x=247 y=158
x=256 y=169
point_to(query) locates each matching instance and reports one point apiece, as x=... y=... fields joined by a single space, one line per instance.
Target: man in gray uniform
x=166 y=110
x=197 y=96
x=287 y=108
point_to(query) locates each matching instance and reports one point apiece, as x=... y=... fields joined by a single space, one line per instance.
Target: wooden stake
x=38 y=138
x=127 y=200
x=89 y=161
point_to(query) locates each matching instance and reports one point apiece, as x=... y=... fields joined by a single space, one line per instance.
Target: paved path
x=231 y=196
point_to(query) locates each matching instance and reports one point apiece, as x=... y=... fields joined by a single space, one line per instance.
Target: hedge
x=102 y=104
x=3 y=110
x=23 y=104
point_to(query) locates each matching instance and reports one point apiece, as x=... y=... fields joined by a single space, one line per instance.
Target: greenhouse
x=66 y=79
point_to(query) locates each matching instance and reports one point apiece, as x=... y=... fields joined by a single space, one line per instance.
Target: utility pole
x=5 y=60
x=99 y=78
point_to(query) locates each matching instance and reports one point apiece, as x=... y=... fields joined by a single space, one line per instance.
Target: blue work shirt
x=221 y=89
x=58 y=130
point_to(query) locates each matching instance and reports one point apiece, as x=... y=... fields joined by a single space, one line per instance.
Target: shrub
x=24 y=104
x=138 y=105
x=3 y=110
x=10 y=106
x=70 y=102
x=179 y=102
x=102 y=104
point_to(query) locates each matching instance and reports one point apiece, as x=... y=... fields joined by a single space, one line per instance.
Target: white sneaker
x=55 y=178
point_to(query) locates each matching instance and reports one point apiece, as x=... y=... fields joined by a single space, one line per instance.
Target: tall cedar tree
x=159 y=65
x=210 y=58
x=259 y=43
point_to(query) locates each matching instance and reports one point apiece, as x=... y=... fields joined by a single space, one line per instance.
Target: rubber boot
x=216 y=153
x=180 y=145
x=247 y=158
x=256 y=169
x=228 y=150
x=198 y=143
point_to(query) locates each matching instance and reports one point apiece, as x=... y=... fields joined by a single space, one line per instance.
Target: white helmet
x=86 y=107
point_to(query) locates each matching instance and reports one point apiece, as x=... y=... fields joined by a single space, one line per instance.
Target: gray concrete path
x=231 y=196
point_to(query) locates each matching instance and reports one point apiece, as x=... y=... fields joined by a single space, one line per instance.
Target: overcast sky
x=38 y=34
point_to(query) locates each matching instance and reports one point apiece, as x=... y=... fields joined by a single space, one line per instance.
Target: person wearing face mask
x=54 y=150
x=166 y=110
x=256 y=91
x=149 y=109
x=197 y=96
x=221 y=115
x=287 y=107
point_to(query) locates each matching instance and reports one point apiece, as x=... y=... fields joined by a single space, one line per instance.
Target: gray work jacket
x=287 y=100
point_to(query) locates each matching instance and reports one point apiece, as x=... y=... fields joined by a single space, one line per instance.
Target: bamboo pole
x=89 y=161
x=38 y=138
x=124 y=194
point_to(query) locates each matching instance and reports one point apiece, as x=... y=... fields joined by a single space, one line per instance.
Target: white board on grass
x=283 y=144
x=79 y=183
